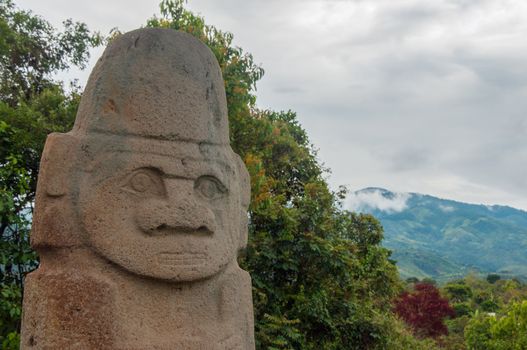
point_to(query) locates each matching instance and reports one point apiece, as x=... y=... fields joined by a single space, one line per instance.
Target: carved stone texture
x=141 y=210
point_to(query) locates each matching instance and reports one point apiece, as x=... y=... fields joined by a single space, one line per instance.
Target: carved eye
x=145 y=181
x=210 y=187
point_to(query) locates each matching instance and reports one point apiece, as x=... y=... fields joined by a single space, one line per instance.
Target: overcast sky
x=408 y=95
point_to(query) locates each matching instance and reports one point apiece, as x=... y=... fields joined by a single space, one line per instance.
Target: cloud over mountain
x=377 y=199
x=441 y=238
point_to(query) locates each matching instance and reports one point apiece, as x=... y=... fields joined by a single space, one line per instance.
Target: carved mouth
x=181 y=259
x=166 y=230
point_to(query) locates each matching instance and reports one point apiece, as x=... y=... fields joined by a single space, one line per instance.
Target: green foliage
x=508 y=332
x=412 y=280
x=482 y=303
x=32 y=105
x=456 y=327
x=458 y=292
x=428 y=280
x=489 y=306
x=462 y=309
x=31 y=50
x=401 y=338
x=492 y=278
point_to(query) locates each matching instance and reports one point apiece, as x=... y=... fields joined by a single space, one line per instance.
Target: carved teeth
x=164 y=229
x=181 y=258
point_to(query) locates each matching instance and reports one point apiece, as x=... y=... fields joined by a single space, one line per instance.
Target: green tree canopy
x=458 y=292
x=508 y=332
x=32 y=104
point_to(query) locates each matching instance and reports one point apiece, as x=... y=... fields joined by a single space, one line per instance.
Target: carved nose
x=188 y=218
x=179 y=213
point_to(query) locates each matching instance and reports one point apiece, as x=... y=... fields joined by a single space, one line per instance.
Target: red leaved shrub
x=424 y=310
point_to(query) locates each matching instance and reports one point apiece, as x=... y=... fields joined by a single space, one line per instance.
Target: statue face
x=172 y=218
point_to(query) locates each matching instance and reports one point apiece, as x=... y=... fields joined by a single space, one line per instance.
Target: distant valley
x=445 y=239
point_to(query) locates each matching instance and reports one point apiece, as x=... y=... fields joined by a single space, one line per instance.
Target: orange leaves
x=260 y=183
x=239 y=90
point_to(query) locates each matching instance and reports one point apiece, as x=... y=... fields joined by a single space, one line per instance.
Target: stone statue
x=141 y=210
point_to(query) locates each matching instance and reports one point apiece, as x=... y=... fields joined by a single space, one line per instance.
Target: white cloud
x=446 y=208
x=363 y=201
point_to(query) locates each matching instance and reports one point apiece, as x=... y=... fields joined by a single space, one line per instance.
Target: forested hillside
x=445 y=239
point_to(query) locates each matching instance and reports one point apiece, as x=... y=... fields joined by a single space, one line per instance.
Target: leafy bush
x=424 y=310
x=493 y=278
x=508 y=332
x=462 y=309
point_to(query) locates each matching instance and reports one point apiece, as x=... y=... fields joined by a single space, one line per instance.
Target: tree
x=478 y=304
x=493 y=278
x=458 y=292
x=428 y=280
x=424 y=310
x=31 y=50
x=508 y=332
x=412 y=280
x=32 y=105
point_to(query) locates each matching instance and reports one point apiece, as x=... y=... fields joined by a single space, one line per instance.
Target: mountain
x=443 y=239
